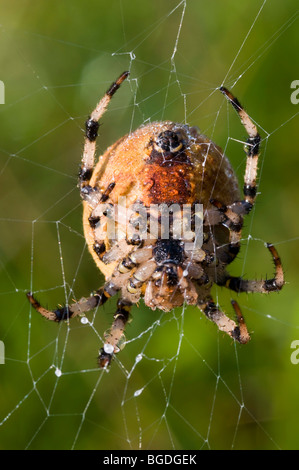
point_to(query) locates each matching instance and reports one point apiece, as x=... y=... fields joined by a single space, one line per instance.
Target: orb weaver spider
x=165 y=163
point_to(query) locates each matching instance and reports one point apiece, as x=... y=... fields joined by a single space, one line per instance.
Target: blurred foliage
x=57 y=58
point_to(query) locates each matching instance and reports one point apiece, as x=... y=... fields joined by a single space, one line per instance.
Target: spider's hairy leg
x=94 y=197
x=264 y=286
x=242 y=335
x=252 y=148
x=231 y=216
x=77 y=308
x=115 y=333
x=92 y=126
x=237 y=330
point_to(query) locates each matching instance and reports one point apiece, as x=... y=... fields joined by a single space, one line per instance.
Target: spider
x=165 y=163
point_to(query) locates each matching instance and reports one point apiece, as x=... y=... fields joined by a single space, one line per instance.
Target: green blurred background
x=195 y=389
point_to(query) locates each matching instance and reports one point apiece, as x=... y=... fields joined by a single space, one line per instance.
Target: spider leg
x=221 y=215
x=251 y=149
x=94 y=196
x=237 y=330
x=112 y=336
x=232 y=216
x=264 y=286
x=115 y=334
x=77 y=308
x=92 y=126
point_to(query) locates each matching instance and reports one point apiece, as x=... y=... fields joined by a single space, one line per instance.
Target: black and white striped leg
x=252 y=148
x=77 y=308
x=275 y=284
x=231 y=217
x=235 y=329
x=92 y=126
x=115 y=335
x=94 y=196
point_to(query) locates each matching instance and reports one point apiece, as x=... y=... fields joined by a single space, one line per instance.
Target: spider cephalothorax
x=164 y=165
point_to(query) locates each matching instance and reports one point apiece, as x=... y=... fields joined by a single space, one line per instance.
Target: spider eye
x=169 y=141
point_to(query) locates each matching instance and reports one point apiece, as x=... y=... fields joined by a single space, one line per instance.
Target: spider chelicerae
x=165 y=163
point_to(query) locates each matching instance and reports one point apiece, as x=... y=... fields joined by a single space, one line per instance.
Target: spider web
x=178 y=383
